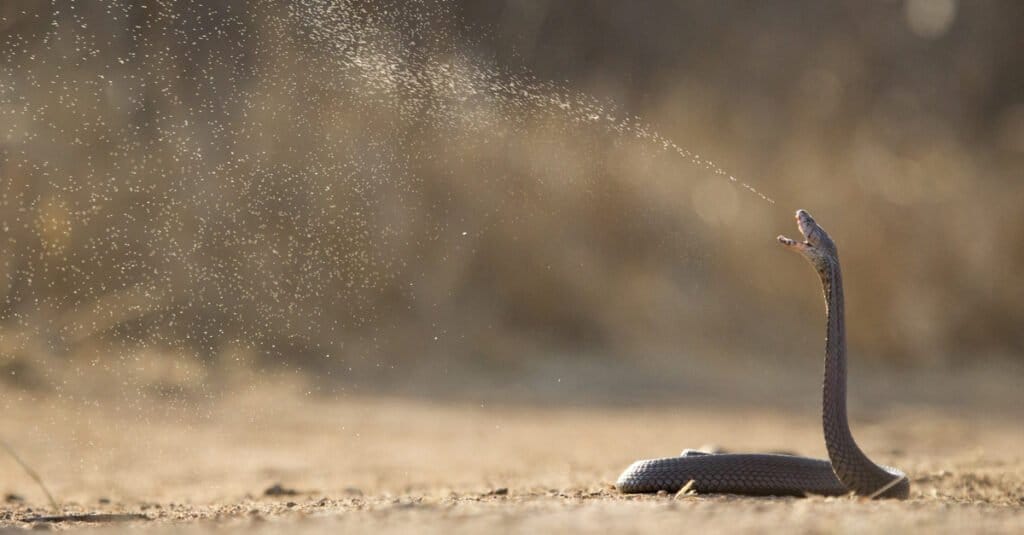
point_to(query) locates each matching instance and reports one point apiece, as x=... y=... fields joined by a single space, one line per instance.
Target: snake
x=846 y=471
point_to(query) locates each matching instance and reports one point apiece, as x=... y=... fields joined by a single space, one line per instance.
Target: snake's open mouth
x=807 y=227
x=789 y=242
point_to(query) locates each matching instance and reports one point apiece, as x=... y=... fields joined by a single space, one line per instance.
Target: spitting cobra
x=847 y=469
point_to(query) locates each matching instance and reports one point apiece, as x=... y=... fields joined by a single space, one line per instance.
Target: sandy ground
x=412 y=463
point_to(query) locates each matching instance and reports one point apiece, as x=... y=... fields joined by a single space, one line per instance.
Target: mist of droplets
x=428 y=78
x=189 y=177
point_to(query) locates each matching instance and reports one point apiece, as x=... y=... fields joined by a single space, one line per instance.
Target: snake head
x=817 y=247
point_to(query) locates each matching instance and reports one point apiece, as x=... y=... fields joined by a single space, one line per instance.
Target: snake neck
x=851 y=465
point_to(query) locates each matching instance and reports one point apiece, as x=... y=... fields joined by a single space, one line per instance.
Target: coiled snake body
x=847 y=469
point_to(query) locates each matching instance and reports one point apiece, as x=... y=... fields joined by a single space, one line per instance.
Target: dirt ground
x=400 y=463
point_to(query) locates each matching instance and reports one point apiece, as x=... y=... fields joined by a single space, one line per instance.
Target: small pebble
x=279 y=490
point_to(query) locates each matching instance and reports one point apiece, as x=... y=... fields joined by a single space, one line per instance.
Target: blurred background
x=433 y=194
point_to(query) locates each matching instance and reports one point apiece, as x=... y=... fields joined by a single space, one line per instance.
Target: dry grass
x=30 y=472
x=411 y=198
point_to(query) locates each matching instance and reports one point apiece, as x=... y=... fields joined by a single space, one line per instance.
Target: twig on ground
x=89 y=517
x=686 y=491
x=31 y=473
x=890 y=485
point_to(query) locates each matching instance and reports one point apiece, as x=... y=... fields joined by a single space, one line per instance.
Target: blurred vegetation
x=308 y=183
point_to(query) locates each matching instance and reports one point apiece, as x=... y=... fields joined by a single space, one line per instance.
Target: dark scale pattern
x=851 y=465
x=847 y=470
x=736 y=473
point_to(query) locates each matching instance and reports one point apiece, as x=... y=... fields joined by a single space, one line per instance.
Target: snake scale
x=847 y=470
